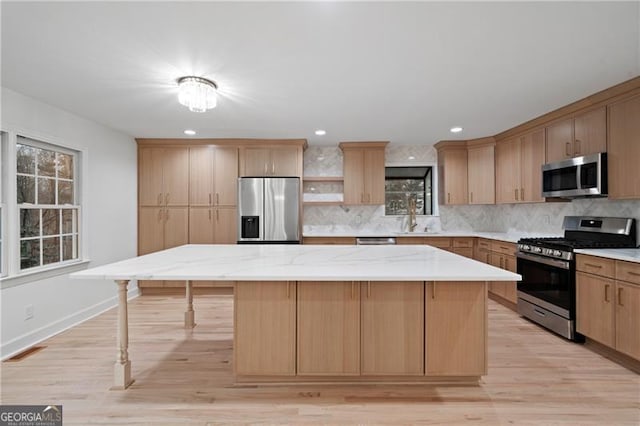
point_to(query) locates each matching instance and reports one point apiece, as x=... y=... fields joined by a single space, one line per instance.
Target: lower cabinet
x=392 y=328
x=456 y=328
x=594 y=307
x=265 y=328
x=628 y=318
x=328 y=328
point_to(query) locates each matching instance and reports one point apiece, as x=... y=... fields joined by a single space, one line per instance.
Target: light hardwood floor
x=185 y=376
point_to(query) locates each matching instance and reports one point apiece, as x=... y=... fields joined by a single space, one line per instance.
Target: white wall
x=110 y=223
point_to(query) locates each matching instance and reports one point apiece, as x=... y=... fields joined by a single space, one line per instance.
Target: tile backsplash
x=540 y=218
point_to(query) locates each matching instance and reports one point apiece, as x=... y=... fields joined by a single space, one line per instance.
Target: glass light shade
x=197 y=93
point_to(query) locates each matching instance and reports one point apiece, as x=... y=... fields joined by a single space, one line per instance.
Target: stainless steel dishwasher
x=375 y=241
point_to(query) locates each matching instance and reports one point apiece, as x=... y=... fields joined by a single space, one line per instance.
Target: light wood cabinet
x=518 y=168
x=162 y=228
x=608 y=302
x=350 y=241
x=212 y=225
x=271 y=161
x=462 y=246
x=213 y=176
x=624 y=149
x=163 y=176
x=265 y=328
x=452 y=173
x=363 y=164
x=392 y=328
x=456 y=328
x=328 y=328
x=501 y=255
x=581 y=135
x=481 y=172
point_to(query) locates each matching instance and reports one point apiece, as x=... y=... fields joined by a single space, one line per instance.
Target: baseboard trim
x=615 y=356
x=34 y=337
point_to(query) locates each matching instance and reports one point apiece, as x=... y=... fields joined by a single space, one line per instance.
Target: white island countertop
x=300 y=263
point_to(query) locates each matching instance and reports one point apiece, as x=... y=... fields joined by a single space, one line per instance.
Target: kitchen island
x=332 y=313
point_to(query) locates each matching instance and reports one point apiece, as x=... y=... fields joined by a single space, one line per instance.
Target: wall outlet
x=28 y=312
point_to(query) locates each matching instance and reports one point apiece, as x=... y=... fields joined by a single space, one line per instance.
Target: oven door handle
x=540 y=259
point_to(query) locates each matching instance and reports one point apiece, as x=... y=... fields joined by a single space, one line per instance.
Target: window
x=403 y=183
x=46 y=183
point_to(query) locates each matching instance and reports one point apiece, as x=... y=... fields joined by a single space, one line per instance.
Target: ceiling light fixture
x=321 y=132
x=189 y=132
x=455 y=129
x=197 y=93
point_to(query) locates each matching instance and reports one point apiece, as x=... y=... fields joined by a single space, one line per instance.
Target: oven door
x=548 y=283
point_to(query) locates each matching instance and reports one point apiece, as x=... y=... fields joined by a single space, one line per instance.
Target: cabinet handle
x=159 y=198
x=635 y=274
x=592 y=265
x=209 y=198
x=273 y=168
x=433 y=290
x=516 y=191
x=521 y=194
x=567 y=149
x=288 y=290
x=265 y=168
x=606 y=292
x=471 y=197
x=166 y=215
x=620 y=296
x=501 y=262
x=159 y=214
x=506 y=263
x=209 y=215
x=576 y=147
x=166 y=199
x=217 y=215
x=448 y=197
x=368 y=289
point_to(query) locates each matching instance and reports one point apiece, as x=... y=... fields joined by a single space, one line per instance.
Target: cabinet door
x=590 y=132
x=531 y=160
x=176 y=226
x=456 y=328
x=265 y=328
x=225 y=176
x=225 y=225
x=624 y=149
x=256 y=162
x=628 y=319
x=455 y=177
x=497 y=287
x=150 y=230
x=284 y=162
x=510 y=287
x=200 y=176
x=507 y=171
x=328 y=328
x=175 y=176
x=594 y=307
x=150 y=177
x=201 y=225
x=392 y=328
x=560 y=141
x=481 y=175
x=374 y=176
x=353 y=171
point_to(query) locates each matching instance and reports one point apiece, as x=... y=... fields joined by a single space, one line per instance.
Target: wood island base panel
x=392 y=314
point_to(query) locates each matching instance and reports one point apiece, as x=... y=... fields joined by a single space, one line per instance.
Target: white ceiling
x=404 y=72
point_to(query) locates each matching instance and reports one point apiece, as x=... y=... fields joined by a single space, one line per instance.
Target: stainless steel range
x=547 y=292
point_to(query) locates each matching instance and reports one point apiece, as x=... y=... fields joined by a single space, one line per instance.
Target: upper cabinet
x=481 y=171
x=363 y=165
x=519 y=168
x=624 y=149
x=271 y=161
x=583 y=134
x=163 y=176
x=213 y=176
x=452 y=172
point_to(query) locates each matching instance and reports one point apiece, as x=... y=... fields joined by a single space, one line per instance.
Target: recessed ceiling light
x=189 y=132
x=411 y=157
x=455 y=129
x=321 y=132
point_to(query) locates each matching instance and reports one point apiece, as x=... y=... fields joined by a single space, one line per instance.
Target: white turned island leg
x=189 y=315
x=122 y=369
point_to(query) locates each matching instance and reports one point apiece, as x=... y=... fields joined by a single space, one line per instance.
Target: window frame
x=434 y=185
x=12 y=274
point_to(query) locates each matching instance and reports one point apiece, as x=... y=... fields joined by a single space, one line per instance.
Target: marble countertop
x=300 y=263
x=630 y=255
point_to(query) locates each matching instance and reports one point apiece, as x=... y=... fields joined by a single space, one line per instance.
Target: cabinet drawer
x=463 y=242
x=628 y=271
x=349 y=241
x=484 y=245
x=595 y=265
x=440 y=242
x=503 y=247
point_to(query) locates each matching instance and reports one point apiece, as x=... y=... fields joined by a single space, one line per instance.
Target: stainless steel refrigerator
x=269 y=210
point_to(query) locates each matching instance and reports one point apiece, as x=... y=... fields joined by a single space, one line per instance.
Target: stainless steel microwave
x=576 y=177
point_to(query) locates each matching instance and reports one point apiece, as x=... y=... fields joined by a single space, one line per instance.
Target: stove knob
x=537 y=249
x=557 y=253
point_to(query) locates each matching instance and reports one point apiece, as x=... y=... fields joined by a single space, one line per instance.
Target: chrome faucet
x=412 y=214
